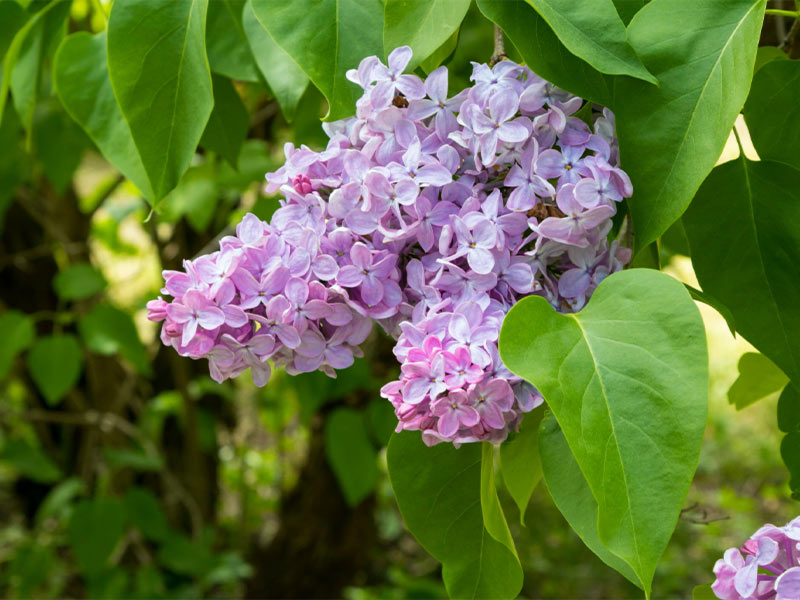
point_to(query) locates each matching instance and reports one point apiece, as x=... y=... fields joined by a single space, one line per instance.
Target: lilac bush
x=766 y=567
x=429 y=215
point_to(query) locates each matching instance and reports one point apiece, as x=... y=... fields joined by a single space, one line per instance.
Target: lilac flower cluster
x=769 y=569
x=431 y=215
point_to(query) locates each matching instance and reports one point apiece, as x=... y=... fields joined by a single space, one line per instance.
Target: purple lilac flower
x=430 y=217
x=766 y=567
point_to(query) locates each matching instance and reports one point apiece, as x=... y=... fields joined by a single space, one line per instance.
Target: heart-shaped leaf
x=627 y=379
x=55 y=365
x=351 y=454
x=439 y=493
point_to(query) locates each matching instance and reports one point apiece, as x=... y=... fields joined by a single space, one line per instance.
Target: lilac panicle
x=430 y=216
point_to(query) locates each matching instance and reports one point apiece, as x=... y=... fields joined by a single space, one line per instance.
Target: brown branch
x=499 y=47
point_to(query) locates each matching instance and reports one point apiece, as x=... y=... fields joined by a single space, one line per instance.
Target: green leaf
x=438 y=491
x=54 y=363
x=184 y=556
x=441 y=54
x=790 y=453
x=572 y=495
x=789 y=409
x=519 y=461
x=48 y=26
x=94 y=530
x=671 y=136
x=493 y=518
x=162 y=82
x=80 y=74
x=11 y=19
x=17 y=333
x=767 y=54
x=29 y=461
x=771 y=112
x=627 y=379
x=544 y=53
x=593 y=30
x=326 y=39
x=59 y=499
x=756 y=272
x=146 y=514
x=758 y=378
x=59 y=144
x=226 y=44
x=78 y=281
x=285 y=78
x=12 y=50
x=424 y=25
x=628 y=8
x=108 y=584
x=228 y=124
x=351 y=454
x=108 y=330
x=382 y=420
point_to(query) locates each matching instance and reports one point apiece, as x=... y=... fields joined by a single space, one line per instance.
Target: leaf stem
x=783 y=13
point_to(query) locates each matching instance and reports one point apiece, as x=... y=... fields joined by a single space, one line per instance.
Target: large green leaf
x=59 y=143
x=162 y=82
x=94 y=530
x=789 y=409
x=351 y=454
x=326 y=39
x=422 y=24
x=438 y=491
x=108 y=330
x=226 y=44
x=593 y=31
x=755 y=268
x=758 y=378
x=572 y=495
x=228 y=124
x=81 y=78
x=627 y=379
x=146 y=514
x=11 y=19
x=17 y=333
x=771 y=111
x=286 y=80
x=702 y=53
x=54 y=363
x=25 y=60
x=544 y=53
x=519 y=461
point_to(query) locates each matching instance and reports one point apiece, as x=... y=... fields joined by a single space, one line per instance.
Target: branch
x=499 y=47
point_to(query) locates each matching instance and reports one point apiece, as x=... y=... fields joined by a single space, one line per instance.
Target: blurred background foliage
x=126 y=472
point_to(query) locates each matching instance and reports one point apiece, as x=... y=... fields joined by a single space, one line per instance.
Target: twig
x=499 y=47
x=704 y=519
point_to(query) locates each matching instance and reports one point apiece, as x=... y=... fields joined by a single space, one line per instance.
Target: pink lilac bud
x=766 y=567
x=430 y=216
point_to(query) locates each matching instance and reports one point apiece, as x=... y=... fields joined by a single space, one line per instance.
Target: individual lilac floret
x=766 y=567
x=430 y=216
